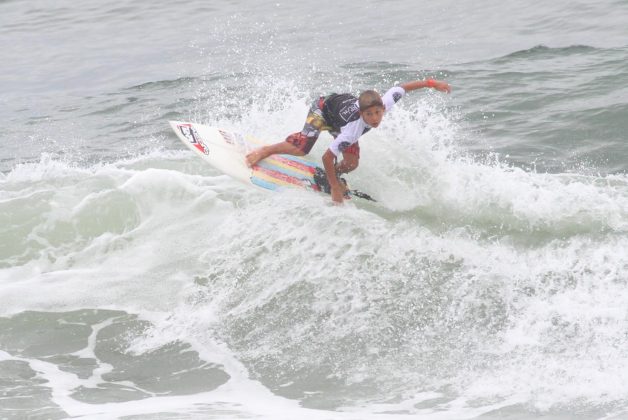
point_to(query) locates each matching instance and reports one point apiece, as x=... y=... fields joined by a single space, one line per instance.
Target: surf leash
x=362 y=195
x=320 y=178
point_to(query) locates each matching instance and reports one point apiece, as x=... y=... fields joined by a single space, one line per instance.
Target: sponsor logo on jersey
x=347 y=113
x=396 y=96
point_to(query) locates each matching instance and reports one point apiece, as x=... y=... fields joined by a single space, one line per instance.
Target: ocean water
x=488 y=282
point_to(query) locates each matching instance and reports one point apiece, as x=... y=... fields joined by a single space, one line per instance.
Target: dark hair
x=368 y=99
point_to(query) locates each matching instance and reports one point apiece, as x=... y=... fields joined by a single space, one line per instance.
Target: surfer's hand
x=439 y=85
x=337 y=194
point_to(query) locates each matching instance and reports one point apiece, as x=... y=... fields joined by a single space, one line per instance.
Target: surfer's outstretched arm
x=429 y=83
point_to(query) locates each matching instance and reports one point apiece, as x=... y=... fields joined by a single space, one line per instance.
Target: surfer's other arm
x=329 y=163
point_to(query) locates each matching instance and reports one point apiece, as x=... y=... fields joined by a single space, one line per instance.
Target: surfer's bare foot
x=253 y=157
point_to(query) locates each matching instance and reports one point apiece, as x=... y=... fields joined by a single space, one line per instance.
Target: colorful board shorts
x=314 y=124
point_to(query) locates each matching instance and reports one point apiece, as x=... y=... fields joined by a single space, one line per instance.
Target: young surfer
x=346 y=118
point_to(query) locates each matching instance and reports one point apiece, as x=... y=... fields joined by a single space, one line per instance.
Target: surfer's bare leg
x=279 y=148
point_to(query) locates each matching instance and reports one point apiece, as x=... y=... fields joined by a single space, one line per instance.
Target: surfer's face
x=373 y=115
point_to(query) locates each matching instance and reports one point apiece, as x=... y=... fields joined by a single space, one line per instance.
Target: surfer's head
x=371 y=107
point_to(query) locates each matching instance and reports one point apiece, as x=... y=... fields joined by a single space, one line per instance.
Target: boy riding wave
x=346 y=118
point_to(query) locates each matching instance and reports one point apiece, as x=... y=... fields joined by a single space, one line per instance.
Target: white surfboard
x=226 y=151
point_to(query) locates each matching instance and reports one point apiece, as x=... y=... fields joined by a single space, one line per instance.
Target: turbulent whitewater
x=489 y=281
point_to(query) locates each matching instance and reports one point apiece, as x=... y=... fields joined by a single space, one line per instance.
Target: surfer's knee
x=352 y=166
x=350 y=158
x=349 y=163
x=300 y=144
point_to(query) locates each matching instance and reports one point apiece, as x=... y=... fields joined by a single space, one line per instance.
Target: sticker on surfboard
x=189 y=132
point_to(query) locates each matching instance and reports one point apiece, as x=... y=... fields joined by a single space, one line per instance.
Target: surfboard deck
x=226 y=150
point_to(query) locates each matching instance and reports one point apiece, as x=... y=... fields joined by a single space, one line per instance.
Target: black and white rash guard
x=345 y=115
